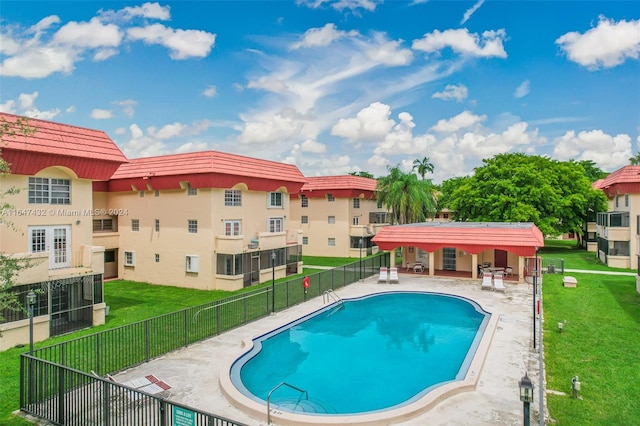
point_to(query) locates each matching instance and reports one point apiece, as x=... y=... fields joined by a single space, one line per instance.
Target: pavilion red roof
x=206 y=169
x=623 y=181
x=472 y=237
x=343 y=186
x=91 y=154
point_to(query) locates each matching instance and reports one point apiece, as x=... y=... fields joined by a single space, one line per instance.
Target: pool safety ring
x=306 y=281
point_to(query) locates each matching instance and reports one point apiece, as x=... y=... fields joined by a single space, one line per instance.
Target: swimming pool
x=375 y=353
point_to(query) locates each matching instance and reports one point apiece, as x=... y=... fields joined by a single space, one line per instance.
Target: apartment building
x=338 y=216
x=617 y=240
x=205 y=220
x=49 y=221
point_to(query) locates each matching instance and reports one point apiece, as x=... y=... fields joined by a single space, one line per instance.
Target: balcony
x=88 y=260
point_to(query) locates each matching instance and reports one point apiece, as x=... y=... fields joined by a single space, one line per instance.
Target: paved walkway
x=194 y=371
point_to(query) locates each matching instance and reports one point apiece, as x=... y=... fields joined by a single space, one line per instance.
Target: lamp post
x=535 y=293
x=360 y=245
x=526 y=396
x=31 y=301
x=273 y=281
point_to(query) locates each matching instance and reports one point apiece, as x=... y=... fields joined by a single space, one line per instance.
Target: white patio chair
x=498 y=283
x=486 y=281
x=384 y=276
x=393 y=275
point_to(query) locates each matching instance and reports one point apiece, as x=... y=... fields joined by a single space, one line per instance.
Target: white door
x=54 y=239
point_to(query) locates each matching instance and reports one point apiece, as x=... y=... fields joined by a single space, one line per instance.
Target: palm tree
x=423 y=166
x=635 y=160
x=408 y=198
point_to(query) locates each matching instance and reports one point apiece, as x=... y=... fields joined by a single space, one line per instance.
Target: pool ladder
x=329 y=295
x=303 y=392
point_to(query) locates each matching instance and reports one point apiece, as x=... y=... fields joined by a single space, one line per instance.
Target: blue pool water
x=372 y=353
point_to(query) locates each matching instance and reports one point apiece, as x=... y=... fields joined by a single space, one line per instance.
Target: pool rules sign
x=183 y=417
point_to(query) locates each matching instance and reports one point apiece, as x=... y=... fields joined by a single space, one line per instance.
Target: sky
x=334 y=86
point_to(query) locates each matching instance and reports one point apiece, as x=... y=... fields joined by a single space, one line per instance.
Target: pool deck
x=194 y=372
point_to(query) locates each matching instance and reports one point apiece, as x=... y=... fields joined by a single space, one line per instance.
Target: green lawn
x=328 y=261
x=575 y=257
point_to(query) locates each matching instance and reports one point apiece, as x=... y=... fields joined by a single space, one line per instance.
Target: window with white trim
x=626 y=200
x=129 y=258
x=135 y=225
x=141 y=194
x=276 y=224
x=356 y=203
x=157 y=225
x=156 y=193
x=275 y=199
x=191 y=263
x=356 y=220
x=305 y=241
x=192 y=226
x=49 y=191
x=332 y=220
x=157 y=258
x=330 y=198
x=331 y=242
x=232 y=197
x=191 y=191
x=232 y=227
x=304 y=219
x=304 y=201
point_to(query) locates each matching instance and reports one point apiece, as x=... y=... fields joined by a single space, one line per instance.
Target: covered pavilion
x=463 y=248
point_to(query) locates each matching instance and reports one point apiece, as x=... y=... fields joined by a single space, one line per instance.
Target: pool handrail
x=330 y=294
x=304 y=392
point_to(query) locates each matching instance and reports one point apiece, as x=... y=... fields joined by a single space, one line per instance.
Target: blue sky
x=334 y=86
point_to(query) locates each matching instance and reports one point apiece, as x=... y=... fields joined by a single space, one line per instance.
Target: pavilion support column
x=474 y=266
x=392 y=260
x=432 y=263
x=520 y=272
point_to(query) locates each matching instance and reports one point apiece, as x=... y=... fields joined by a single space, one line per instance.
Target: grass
x=328 y=261
x=575 y=257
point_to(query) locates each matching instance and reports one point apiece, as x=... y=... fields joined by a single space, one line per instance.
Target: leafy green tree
x=423 y=166
x=635 y=160
x=515 y=187
x=10 y=266
x=362 y=174
x=408 y=198
x=592 y=171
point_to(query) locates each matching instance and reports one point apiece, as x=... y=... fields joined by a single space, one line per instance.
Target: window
x=275 y=224
x=356 y=203
x=38 y=240
x=330 y=198
x=129 y=258
x=157 y=225
x=156 y=193
x=331 y=242
x=192 y=226
x=305 y=241
x=49 y=191
x=617 y=201
x=102 y=225
x=445 y=215
x=141 y=194
x=304 y=200
x=379 y=204
x=109 y=256
x=191 y=263
x=191 y=191
x=304 y=219
x=332 y=220
x=157 y=258
x=135 y=225
x=232 y=197
x=232 y=227
x=356 y=220
x=275 y=199
x=626 y=200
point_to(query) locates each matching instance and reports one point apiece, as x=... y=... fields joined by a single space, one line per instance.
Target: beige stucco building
x=334 y=213
x=49 y=221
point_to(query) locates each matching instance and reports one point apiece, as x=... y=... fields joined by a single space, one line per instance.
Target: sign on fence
x=183 y=417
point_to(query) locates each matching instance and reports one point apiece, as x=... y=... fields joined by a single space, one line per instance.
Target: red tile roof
x=89 y=153
x=472 y=237
x=339 y=186
x=623 y=181
x=207 y=169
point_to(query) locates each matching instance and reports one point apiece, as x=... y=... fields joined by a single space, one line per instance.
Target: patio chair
x=393 y=275
x=508 y=271
x=486 y=281
x=498 y=283
x=384 y=277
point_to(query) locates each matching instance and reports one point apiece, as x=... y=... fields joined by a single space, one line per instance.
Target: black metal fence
x=552 y=265
x=57 y=383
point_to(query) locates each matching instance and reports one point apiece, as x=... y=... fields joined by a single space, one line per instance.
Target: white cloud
x=104 y=54
x=140 y=145
x=38 y=62
x=609 y=44
x=323 y=36
x=182 y=44
x=92 y=34
x=340 y=5
x=70 y=109
x=522 y=90
x=167 y=131
x=27 y=100
x=192 y=147
x=370 y=123
x=101 y=114
x=489 y=44
x=210 y=91
x=127 y=106
x=313 y=146
x=388 y=52
x=608 y=152
x=286 y=125
x=461 y=121
x=149 y=10
x=471 y=11
x=451 y=91
x=26 y=105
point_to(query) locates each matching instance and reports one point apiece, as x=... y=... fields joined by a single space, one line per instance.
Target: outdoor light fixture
x=526 y=396
x=360 y=245
x=575 y=386
x=31 y=301
x=561 y=326
x=273 y=281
